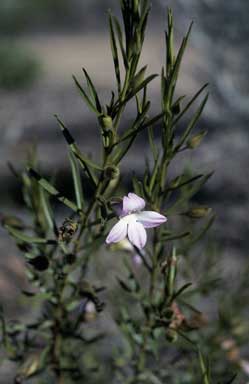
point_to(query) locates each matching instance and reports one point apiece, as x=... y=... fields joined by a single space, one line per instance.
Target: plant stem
x=149 y=321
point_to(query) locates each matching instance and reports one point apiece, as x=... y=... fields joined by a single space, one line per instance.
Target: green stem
x=149 y=322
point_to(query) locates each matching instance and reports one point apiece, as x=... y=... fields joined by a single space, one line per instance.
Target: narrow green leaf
x=93 y=92
x=180 y=185
x=152 y=142
x=142 y=85
x=28 y=239
x=51 y=189
x=189 y=104
x=174 y=237
x=154 y=175
x=204 y=370
x=134 y=91
x=192 y=124
x=124 y=286
x=115 y=53
x=137 y=127
x=181 y=290
x=189 y=193
x=86 y=163
x=77 y=181
x=203 y=230
x=137 y=186
x=47 y=210
x=176 y=68
x=85 y=97
x=120 y=40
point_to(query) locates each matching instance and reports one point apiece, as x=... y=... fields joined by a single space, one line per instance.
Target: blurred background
x=44 y=42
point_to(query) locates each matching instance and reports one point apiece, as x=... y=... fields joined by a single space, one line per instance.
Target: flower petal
x=150 y=219
x=132 y=203
x=118 y=232
x=137 y=234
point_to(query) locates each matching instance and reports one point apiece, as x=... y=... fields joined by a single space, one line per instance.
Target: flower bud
x=112 y=172
x=176 y=108
x=138 y=78
x=106 y=122
x=198 y=212
x=196 y=140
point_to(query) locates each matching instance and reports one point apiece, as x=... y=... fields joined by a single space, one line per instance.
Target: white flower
x=133 y=221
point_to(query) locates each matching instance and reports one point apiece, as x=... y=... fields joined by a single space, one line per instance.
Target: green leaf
x=77 y=181
x=188 y=194
x=134 y=91
x=153 y=147
x=120 y=40
x=124 y=286
x=141 y=86
x=47 y=210
x=204 y=369
x=181 y=290
x=114 y=53
x=189 y=104
x=174 y=237
x=174 y=74
x=192 y=124
x=137 y=126
x=180 y=185
x=154 y=174
x=93 y=92
x=51 y=189
x=137 y=186
x=203 y=230
x=86 y=97
x=85 y=163
x=26 y=238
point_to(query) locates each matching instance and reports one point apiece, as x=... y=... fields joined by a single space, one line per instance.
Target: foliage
x=162 y=336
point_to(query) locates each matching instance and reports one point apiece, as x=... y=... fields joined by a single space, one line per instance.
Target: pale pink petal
x=150 y=219
x=117 y=233
x=132 y=203
x=137 y=234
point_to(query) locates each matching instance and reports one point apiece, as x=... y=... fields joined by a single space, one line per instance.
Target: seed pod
x=106 y=122
x=176 y=109
x=198 y=212
x=112 y=172
x=196 y=140
x=40 y=263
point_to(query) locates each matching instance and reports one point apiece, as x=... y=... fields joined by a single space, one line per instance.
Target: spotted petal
x=137 y=234
x=132 y=203
x=150 y=219
x=118 y=232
